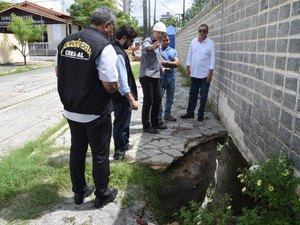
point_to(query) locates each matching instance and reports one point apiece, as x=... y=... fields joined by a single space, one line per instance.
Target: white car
x=138 y=54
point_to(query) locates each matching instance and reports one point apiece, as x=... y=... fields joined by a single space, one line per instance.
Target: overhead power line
x=167 y=7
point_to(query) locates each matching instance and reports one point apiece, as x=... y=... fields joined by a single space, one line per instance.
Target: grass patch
x=186 y=80
x=30 y=185
x=27 y=183
x=138 y=182
x=135 y=70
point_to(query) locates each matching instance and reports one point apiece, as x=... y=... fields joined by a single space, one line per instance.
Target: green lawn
x=135 y=69
x=31 y=183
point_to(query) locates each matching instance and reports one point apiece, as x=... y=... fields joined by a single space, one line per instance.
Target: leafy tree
x=123 y=18
x=194 y=10
x=25 y=32
x=140 y=31
x=171 y=21
x=4 y=5
x=82 y=11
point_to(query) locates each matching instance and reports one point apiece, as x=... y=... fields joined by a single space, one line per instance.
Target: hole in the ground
x=204 y=170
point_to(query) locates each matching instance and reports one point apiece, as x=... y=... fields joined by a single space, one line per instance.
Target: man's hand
x=188 y=71
x=209 y=76
x=155 y=45
x=134 y=105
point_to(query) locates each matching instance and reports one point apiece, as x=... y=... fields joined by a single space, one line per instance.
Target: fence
x=41 y=49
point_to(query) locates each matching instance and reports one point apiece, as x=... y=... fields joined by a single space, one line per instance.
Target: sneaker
x=200 y=118
x=187 y=116
x=170 y=118
x=150 y=130
x=87 y=191
x=119 y=155
x=160 y=127
x=100 y=202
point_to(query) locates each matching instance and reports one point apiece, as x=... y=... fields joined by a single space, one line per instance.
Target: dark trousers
x=97 y=134
x=151 y=102
x=121 y=132
x=198 y=83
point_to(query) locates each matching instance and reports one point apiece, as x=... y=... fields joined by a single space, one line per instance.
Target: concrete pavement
x=160 y=150
x=29 y=105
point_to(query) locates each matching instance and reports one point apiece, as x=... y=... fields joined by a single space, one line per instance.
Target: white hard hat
x=159 y=26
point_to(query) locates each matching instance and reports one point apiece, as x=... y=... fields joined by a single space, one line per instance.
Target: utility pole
x=145 y=22
x=154 y=19
x=149 y=26
x=183 y=9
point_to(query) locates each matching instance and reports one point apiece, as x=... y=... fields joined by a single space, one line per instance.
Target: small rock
x=174 y=223
x=141 y=221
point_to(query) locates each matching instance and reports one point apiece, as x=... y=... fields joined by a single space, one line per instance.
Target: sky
x=174 y=7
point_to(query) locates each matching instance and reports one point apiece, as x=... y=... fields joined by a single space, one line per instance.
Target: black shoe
x=200 y=118
x=100 y=202
x=187 y=116
x=79 y=198
x=170 y=118
x=119 y=155
x=160 y=121
x=160 y=127
x=150 y=130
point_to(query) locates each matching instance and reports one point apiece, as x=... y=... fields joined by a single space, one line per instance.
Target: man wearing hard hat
x=150 y=79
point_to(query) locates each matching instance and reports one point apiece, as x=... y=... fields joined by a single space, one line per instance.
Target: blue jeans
x=198 y=83
x=121 y=133
x=167 y=86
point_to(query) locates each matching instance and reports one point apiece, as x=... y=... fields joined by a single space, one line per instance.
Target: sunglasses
x=202 y=31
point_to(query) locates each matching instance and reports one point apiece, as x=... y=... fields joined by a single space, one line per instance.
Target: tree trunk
x=24 y=56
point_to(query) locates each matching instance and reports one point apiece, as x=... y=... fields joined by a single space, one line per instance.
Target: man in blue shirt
x=167 y=77
x=200 y=65
x=125 y=99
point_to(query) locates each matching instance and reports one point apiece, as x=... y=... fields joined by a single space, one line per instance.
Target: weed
x=271 y=184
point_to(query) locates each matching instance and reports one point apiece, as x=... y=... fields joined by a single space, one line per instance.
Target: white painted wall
x=7 y=54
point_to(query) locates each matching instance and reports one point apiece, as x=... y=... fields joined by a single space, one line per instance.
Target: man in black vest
x=125 y=99
x=87 y=77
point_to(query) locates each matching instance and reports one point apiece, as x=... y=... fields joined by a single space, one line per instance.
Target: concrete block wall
x=256 y=84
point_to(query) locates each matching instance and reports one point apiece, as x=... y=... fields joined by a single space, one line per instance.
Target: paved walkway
x=29 y=105
x=160 y=150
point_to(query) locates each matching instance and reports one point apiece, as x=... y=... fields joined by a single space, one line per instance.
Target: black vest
x=79 y=87
x=117 y=97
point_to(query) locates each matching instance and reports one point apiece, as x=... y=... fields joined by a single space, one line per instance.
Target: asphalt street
x=29 y=105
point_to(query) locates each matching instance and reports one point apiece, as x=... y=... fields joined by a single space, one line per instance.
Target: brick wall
x=256 y=84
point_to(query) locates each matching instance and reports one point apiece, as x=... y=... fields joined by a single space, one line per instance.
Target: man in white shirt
x=200 y=63
x=87 y=76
